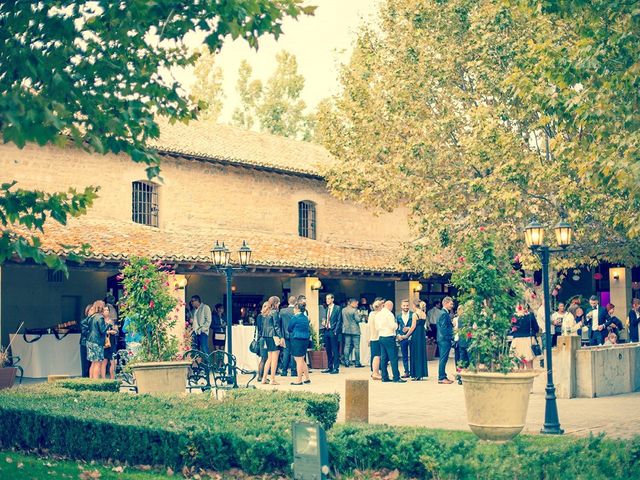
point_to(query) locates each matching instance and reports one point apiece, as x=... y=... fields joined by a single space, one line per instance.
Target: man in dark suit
x=598 y=318
x=634 y=320
x=218 y=325
x=286 y=314
x=445 y=338
x=404 y=319
x=332 y=325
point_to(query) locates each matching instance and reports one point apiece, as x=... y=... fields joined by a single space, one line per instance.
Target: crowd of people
x=283 y=335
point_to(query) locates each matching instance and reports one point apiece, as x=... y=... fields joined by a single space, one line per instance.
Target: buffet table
x=242 y=335
x=47 y=355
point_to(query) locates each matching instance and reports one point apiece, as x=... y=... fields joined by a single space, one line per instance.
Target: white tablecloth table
x=365 y=352
x=242 y=335
x=48 y=355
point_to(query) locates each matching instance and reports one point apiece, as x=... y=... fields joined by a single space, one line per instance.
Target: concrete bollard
x=356 y=401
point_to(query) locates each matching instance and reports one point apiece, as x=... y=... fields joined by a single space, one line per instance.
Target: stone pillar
x=564 y=366
x=356 y=400
x=178 y=291
x=620 y=288
x=406 y=290
x=302 y=286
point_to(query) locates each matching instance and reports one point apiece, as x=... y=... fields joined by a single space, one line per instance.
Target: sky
x=321 y=43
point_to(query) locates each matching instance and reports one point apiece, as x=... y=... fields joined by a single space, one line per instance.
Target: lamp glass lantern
x=244 y=254
x=219 y=255
x=564 y=233
x=534 y=234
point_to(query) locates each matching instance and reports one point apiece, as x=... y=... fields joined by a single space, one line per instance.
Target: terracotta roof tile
x=112 y=240
x=223 y=142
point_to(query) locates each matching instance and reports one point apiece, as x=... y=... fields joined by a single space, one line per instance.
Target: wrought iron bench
x=120 y=359
x=13 y=361
x=219 y=365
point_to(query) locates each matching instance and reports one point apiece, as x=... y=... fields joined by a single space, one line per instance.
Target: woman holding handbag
x=299 y=335
x=272 y=338
x=525 y=336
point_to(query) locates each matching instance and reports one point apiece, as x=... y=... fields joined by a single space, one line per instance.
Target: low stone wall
x=595 y=371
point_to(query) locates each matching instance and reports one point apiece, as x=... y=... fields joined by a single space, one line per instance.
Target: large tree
x=433 y=116
x=275 y=106
x=96 y=74
x=207 y=89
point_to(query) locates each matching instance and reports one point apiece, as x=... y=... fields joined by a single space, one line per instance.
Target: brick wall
x=199 y=195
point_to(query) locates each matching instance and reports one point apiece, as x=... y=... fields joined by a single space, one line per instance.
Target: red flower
x=513 y=320
x=461 y=259
x=469 y=335
x=152 y=304
x=482 y=229
x=527 y=280
x=598 y=276
x=516 y=259
x=513 y=329
x=144 y=287
x=555 y=292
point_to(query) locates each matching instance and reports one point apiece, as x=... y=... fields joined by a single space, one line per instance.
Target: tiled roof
x=235 y=145
x=113 y=240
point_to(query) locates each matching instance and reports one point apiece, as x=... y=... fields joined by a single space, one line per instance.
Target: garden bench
x=120 y=359
x=219 y=365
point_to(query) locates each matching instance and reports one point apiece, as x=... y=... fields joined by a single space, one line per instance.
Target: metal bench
x=120 y=359
x=219 y=365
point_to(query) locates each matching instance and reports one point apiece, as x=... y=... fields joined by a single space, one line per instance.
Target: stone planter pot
x=497 y=403
x=318 y=359
x=7 y=377
x=161 y=377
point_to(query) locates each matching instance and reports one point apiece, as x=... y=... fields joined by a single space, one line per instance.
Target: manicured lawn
x=15 y=465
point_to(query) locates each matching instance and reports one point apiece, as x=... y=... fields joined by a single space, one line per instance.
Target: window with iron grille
x=307 y=219
x=144 y=203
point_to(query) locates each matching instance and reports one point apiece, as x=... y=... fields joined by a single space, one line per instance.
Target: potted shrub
x=496 y=391
x=7 y=370
x=317 y=355
x=149 y=303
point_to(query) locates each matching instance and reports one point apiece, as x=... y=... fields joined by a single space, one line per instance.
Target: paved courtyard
x=430 y=404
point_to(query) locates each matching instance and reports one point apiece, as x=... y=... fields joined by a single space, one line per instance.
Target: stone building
x=218 y=183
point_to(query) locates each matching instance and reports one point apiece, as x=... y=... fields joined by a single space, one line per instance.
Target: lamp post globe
x=564 y=233
x=244 y=254
x=534 y=234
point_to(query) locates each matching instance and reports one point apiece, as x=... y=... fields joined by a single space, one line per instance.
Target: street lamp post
x=220 y=256
x=534 y=235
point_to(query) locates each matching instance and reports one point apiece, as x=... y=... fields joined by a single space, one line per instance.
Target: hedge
x=247 y=430
x=90 y=384
x=441 y=454
x=251 y=430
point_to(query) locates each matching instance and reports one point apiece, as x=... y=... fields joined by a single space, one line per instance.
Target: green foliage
x=248 y=429
x=90 y=384
x=436 y=454
x=477 y=112
x=148 y=301
x=275 y=106
x=489 y=290
x=95 y=75
x=24 y=211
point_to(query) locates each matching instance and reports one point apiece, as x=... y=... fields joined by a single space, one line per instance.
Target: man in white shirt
x=201 y=322
x=387 y=327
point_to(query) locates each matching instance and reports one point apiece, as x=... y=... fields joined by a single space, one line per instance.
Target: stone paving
x=429 y=404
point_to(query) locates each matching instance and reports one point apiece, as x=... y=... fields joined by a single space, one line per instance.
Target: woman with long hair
x=299 y=335
x=96 y=338
x=418 y=347
x=111 y=338
x=271 y=338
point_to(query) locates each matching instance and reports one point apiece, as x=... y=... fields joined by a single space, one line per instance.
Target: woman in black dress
x=418 y=346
